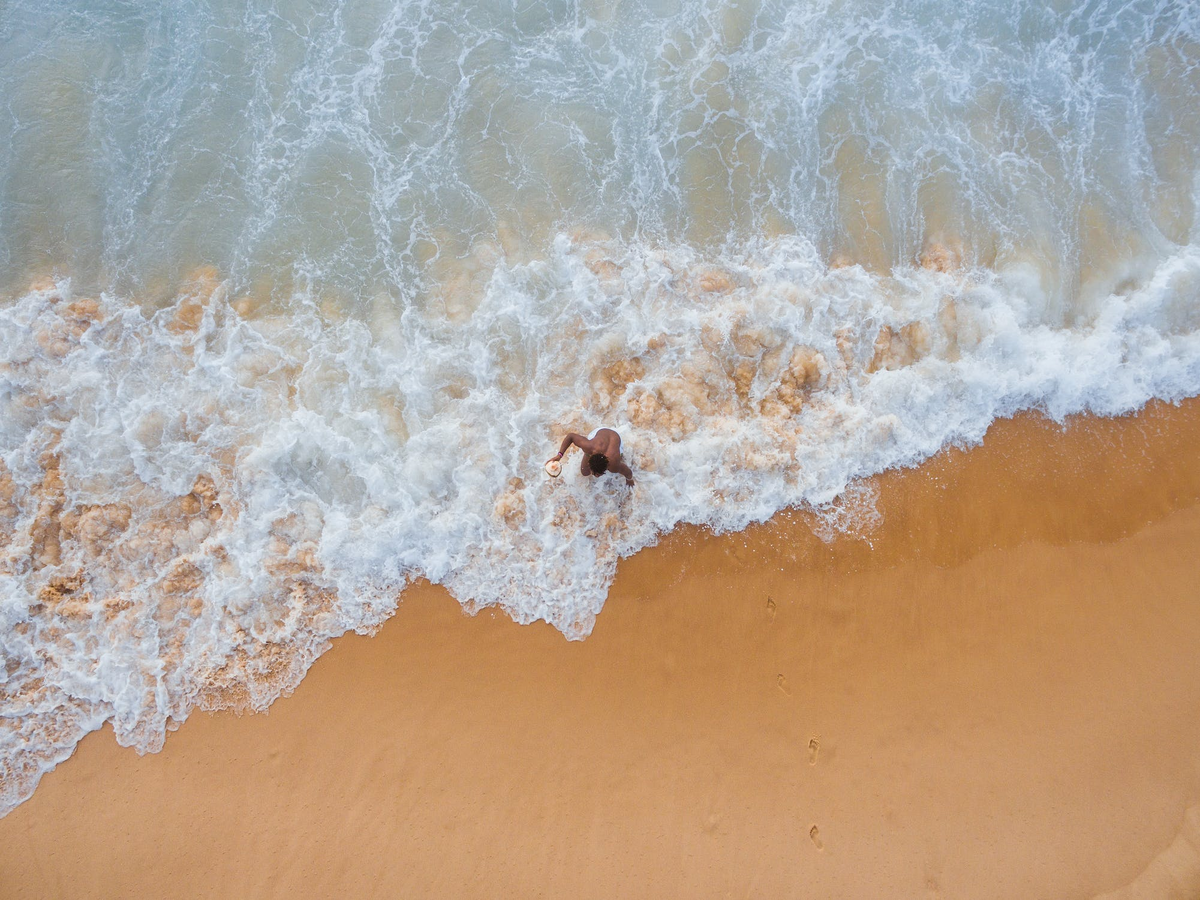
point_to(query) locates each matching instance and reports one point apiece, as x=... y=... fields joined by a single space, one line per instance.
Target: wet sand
x=994 y=694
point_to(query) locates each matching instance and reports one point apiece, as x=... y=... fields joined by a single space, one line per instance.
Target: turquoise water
x=365 y=147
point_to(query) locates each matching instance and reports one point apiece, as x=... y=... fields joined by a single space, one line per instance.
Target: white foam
x=345 y=464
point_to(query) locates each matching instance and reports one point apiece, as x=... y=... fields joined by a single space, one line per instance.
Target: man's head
x=598 y=463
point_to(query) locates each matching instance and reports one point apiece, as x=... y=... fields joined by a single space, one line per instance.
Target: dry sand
x=994 y=695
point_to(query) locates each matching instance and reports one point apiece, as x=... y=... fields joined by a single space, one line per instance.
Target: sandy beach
x=298 y=296
x=995 y=693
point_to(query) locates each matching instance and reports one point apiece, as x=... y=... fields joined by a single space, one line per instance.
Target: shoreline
x=994 y=693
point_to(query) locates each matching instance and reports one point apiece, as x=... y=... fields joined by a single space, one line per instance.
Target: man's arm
x=571 y=438
x=624 y=470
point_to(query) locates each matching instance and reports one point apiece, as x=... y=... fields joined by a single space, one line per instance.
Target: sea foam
x=195 y=501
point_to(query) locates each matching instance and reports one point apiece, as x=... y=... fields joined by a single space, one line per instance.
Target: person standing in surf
x=601 y=453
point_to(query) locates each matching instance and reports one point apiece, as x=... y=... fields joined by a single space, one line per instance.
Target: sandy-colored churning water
x=995 y=694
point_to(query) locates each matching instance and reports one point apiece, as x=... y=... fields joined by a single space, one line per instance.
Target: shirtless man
x=601 y=453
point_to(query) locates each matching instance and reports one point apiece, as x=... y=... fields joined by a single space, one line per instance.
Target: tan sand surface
x=994 y=694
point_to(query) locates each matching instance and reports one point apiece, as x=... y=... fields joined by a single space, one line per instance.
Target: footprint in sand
x=815 y=836
x=782 y=682
x=770 y=607
x=814 y=747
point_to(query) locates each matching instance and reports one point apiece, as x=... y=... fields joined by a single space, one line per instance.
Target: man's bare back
x=601 y=453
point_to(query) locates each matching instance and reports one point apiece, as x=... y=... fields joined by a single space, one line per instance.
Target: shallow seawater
x=298 y=296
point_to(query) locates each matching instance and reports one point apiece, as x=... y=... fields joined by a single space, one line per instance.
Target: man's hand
x=627 y=472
